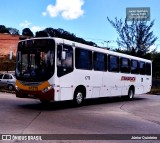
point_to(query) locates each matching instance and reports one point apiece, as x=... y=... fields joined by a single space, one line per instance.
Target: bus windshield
x=35 y=60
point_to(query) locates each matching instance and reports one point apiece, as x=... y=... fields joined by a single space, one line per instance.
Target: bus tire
x=130 y=93
x=79 y=97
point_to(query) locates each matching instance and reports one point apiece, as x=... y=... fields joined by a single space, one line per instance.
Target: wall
x=8 y=42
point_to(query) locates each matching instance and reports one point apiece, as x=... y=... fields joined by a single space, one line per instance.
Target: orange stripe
x=26 y=87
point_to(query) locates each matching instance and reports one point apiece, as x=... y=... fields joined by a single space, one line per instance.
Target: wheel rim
x=130 y=94
x=10 y=87
x=79 y=98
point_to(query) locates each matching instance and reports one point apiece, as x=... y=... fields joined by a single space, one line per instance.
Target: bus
x=55 y=69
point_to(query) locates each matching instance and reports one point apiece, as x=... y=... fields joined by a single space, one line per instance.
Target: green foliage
x=3 y=29
x=135 y=37
x=10 y=30
x=41 y=34
x=156 y=64
x=60 y=33
x=27 y=32
x=6 y=64
x=13 y=31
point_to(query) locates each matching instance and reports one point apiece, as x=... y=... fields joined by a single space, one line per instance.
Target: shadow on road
x=53 y=106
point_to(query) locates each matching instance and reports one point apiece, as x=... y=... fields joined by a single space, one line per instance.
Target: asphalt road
x=98 y=116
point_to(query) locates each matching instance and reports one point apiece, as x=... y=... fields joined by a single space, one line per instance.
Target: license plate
x=29 y=95
x=33 y=88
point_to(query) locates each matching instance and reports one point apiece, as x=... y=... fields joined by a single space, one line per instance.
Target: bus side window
x=125 y=65
x=83 y=59
x=148 y=69
x=64 y=61
x=134 y=67
x=100 y=61
x=142 y=68
x=59 y=53
x=113 y=65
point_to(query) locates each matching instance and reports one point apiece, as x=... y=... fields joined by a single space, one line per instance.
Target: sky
x=85 y=18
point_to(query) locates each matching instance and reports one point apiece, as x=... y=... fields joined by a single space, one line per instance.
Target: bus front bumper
x=47 y=96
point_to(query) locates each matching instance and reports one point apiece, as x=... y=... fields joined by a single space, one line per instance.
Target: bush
x=6 y=64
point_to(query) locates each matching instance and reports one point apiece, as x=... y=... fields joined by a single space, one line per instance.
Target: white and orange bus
x=55 y=69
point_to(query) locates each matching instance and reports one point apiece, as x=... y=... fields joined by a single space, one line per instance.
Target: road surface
x=98 y=116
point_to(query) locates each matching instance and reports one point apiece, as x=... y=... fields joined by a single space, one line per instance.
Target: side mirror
x=63 y=57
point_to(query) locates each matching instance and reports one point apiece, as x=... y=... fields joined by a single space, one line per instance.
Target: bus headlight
x=17 y=88
x=47 y=89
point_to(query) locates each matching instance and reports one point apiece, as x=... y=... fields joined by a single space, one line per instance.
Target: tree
x=136 y=37
x=41 y=34
x=155 y=64
x=27 y=32
x=60 y=33
x=13 y=31
x=3 y=29
x=51 y=32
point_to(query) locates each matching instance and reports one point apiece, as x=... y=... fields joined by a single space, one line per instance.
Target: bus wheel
x=78 y=98
x=130 y=94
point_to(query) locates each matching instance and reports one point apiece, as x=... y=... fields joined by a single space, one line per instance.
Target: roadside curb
x=7 y=91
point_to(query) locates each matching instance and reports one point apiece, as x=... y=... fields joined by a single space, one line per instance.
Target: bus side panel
x=96 y=83
x=66 y=87
x=139 y=88
x=83 y=78
x=91 y=80
x=113 y=84
x=105 y=89
x=147 y=83
x=127 y=83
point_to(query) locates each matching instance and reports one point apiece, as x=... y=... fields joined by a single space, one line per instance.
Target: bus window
x=125 y=65
x=100 y=61
x=134 y=67
x=64 y=60
x=148 y=69
x=83 y=59
x=113 y=65
x=142 y=68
